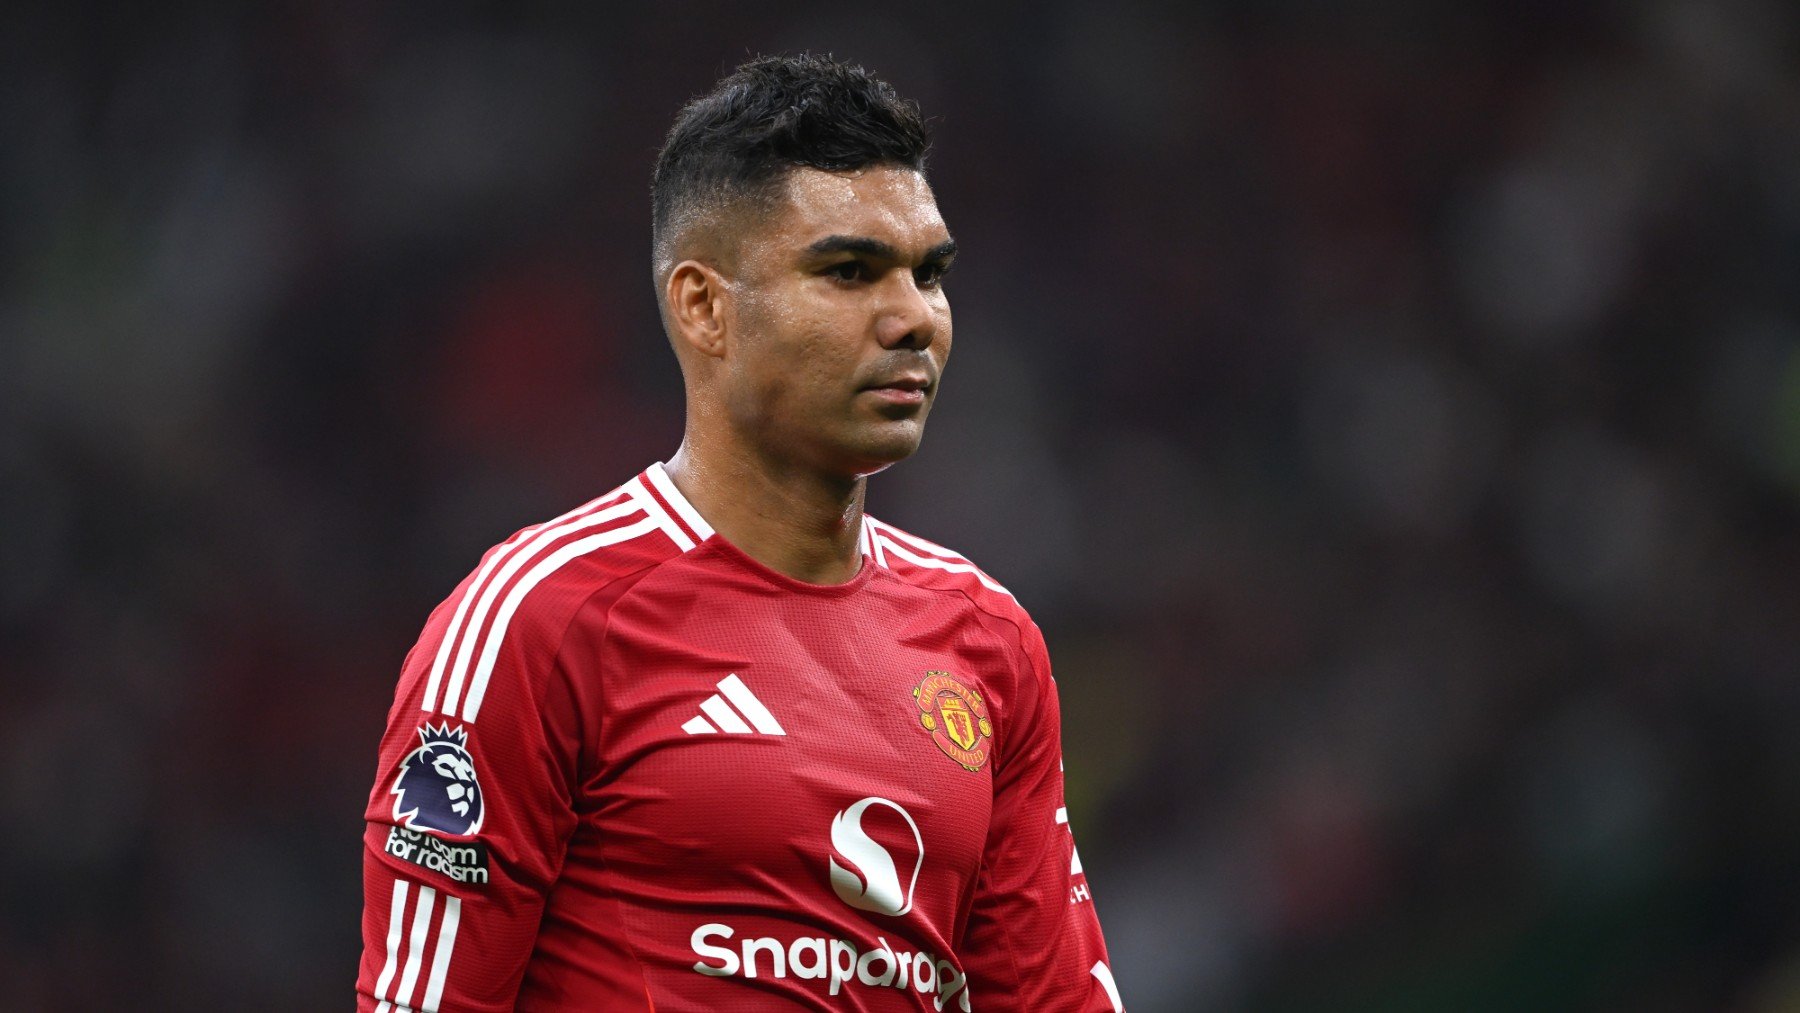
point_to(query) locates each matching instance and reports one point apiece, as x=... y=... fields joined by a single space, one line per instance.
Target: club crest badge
x=957 y=718
x=437 y=788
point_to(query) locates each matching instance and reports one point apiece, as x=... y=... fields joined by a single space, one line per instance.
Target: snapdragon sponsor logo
x=837 y=961
x=868 y=879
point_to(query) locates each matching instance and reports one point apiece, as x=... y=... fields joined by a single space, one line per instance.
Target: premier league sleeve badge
x=437 y=788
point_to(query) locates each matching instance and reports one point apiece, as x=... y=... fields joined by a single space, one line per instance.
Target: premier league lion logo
x=436 y=789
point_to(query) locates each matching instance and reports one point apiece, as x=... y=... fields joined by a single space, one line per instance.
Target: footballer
x=718 y=739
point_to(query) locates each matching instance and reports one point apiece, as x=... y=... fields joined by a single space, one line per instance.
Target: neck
x=792 y=520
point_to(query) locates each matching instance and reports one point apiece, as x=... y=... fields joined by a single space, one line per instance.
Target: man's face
x=842 y=327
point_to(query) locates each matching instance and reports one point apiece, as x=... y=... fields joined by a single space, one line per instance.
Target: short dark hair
x=770 y=115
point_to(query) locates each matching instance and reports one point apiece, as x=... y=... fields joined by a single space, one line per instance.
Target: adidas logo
x=726 y=719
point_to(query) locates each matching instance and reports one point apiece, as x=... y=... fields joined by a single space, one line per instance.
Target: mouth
x=905 y=389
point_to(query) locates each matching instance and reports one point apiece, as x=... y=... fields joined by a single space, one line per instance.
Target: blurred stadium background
x=1393 y=419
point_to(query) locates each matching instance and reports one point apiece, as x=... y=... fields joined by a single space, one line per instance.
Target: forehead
x=889 y=203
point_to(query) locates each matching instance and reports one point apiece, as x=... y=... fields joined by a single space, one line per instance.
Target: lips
x=905 y=392
x=908 y=382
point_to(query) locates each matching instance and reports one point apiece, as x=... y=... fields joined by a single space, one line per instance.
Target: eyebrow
x=880 y=250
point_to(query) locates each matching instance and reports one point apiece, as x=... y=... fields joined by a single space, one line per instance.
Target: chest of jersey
x=788 y=766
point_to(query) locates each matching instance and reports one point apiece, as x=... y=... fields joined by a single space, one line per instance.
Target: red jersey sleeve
x=1033 y=940
x=470 y=812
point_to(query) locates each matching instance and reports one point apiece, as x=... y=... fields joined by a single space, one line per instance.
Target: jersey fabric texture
x=629 y=768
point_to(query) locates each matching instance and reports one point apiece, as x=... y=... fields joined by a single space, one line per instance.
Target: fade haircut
x=737 y=143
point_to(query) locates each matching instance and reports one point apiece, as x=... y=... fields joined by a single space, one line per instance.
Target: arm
x=1033 y=940
x=467 y=820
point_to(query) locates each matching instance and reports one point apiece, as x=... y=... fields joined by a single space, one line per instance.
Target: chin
x=879 y=452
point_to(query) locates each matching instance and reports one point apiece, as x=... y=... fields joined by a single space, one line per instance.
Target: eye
x=930 y=275
x=849 y=270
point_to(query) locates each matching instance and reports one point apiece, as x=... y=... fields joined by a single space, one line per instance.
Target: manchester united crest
x=957 y=718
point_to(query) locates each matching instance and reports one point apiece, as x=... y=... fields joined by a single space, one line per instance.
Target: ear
x=698 y=300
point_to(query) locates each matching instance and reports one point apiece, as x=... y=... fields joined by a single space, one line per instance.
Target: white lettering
x=841 y=971
x=922 y=980
x=950 y=982
x=728 y=961
x=867 y=961
x=777 y=956
x=816 y=946
x=464 y=864
x=838 y=961
x=1062 y=819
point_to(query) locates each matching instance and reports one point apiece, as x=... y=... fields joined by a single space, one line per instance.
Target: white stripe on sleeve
x=415 y=954
x=499 y=556
x=440 y=961
x=1104 y=975
x=934 y=563
x=396 y=919
x=459 y=672
x=551 y=563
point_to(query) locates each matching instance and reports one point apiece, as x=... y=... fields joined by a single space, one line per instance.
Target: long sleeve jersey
x=630 y=768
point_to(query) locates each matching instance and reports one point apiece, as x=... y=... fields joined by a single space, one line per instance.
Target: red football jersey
x=628 y=767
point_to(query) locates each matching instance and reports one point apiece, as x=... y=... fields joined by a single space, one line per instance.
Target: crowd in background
x=1392 y=419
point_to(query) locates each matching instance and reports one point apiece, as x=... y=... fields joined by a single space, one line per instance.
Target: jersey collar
x=682 y=514
x=676 y=506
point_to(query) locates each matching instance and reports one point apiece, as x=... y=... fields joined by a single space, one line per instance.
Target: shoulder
x=608 y=538
x=522 y=596
x=1020 y=693
x=926 y=564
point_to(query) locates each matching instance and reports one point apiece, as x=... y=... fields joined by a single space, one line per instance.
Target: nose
x=908 y=316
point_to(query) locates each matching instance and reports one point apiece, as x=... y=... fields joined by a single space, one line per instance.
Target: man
x=717 y=740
